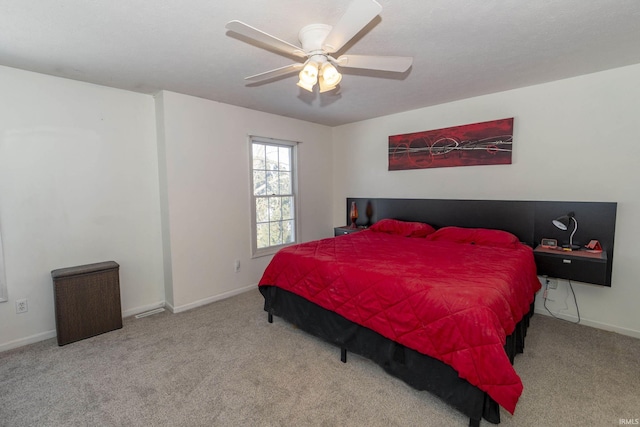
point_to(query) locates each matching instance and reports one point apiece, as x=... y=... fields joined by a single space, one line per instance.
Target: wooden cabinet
x=581 y=266
x=87 y=301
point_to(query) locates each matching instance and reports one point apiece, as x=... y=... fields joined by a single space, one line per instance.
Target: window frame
x=293 y=146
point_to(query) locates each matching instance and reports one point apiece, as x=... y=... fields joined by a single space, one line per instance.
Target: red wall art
x=486 y=143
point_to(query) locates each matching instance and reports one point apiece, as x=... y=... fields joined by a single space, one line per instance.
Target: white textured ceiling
x=461 y=48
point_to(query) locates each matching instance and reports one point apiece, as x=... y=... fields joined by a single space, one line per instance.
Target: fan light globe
x=309 y=74
x=324 y=87
x=305 y=85
x=330 y=75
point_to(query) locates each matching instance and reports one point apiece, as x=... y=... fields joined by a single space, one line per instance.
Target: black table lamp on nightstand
x=562 y=223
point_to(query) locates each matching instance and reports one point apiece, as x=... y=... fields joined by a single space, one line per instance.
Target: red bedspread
x=454 y=302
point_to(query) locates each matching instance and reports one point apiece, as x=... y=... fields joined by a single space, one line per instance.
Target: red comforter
x=454 y=302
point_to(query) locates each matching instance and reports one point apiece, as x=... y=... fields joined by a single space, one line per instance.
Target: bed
x=399 y=291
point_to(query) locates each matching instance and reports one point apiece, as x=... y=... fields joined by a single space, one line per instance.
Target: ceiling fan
x=318 y=42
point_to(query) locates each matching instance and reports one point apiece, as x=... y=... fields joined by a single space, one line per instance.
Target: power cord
x=544 y=296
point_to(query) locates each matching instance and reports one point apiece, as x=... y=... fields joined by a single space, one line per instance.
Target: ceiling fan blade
x=398 y=64
x=264 y=38
x=356 y=17
x=275 y=73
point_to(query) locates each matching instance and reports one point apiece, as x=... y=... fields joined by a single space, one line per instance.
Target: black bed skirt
x=416 y=369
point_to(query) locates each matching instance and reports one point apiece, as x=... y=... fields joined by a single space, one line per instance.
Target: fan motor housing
x=313 y=36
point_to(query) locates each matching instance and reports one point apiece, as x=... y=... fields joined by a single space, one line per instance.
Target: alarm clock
x=549 y=243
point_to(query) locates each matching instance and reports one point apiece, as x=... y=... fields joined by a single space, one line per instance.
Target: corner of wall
x=164 y=194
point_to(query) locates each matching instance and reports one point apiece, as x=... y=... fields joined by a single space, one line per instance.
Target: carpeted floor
x=224 y=365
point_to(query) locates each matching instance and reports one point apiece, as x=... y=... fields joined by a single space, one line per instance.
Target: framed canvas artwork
x=485 y=143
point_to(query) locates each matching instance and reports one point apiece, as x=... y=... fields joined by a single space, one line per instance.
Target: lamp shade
x=562 y=222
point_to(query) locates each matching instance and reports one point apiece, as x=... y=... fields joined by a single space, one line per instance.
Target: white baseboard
x=27 y=340
x=591 y=323
x=209 y=300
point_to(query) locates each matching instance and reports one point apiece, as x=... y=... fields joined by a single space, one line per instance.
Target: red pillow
x=477 y=236
x=402 y=228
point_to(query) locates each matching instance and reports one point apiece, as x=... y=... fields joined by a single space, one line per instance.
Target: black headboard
x=529 y=220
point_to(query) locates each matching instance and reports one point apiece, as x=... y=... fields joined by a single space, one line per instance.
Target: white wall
x=575 y=140
x=80 y=182
x=205 y=193
x=78 y=185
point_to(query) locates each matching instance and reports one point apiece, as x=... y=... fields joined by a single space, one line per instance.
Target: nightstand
x=581 y=266
x=345 y=229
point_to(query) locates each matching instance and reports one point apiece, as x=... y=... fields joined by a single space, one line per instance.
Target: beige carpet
x=224 y=365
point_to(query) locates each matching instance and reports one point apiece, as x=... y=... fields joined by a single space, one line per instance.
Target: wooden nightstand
x=345 y=229
x=581 y=266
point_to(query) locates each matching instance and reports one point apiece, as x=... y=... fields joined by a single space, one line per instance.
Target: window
x=273 y=195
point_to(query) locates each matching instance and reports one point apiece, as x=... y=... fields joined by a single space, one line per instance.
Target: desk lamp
x=562 y=223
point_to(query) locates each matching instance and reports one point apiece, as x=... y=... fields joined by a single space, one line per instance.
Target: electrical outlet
x=22 y=306
x=236 y=265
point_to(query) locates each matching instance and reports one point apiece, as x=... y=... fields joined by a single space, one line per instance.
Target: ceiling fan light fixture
x=309 y=74
x=305 y=85
x=324 y=86
x=318 y=42
x=330 y=75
